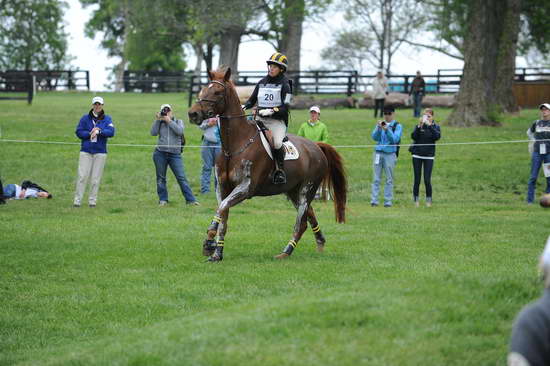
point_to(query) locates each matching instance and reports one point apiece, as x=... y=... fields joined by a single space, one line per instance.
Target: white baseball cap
x=97 y=100
x=315 y=109
x=546 y=105
x=165 y=106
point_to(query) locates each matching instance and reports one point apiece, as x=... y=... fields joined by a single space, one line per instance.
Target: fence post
x=438 y=81
x=88 y=79
x=191 y=84
x=349 y=93
x=406 y=84
x=70 y=83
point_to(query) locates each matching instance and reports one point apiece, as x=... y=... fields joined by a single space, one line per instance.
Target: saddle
x=291 y=152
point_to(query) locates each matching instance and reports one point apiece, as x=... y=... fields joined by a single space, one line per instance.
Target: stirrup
x=279 y=177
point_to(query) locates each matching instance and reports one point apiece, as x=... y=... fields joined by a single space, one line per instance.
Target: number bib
x=269 y=96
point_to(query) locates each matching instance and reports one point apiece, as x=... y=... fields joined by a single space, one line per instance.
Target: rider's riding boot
x=279 y=176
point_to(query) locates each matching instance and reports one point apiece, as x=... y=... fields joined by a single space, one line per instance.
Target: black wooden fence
x=346 y=82
x=17 y=87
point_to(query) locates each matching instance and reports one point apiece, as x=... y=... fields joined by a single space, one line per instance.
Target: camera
x=382 y=123
x=425 y=119
x=164 y=111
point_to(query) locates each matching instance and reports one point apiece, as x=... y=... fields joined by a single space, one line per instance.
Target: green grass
x=125 y=283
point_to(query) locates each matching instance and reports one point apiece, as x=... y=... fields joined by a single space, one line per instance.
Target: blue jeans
x=536 y=162
x=386 y=162
x=9 y=191
x=209 y=152
x=417 y=100
x=162 y=160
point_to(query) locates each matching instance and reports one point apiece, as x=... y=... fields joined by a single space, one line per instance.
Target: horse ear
x=210 y=76
x=227 y=75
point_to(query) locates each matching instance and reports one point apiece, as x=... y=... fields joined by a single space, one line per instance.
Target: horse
x=244 y=168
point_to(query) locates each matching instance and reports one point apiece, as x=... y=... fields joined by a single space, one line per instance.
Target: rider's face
x=274 y=70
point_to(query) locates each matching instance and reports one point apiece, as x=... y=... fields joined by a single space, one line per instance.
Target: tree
x=32 y=35
x=283 y=26
x=349 y=50
x=112 y=18
x=384 y=24
x=489 y=62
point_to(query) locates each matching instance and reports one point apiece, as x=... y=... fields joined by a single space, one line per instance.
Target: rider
x=273 y=94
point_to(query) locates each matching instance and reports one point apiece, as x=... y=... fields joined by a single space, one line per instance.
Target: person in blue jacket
x=93 y=130
x=387 y=134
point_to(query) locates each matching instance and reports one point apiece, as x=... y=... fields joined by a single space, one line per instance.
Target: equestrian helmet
x=278 y=59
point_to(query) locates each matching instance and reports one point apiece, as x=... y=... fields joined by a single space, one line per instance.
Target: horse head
x=212 y=99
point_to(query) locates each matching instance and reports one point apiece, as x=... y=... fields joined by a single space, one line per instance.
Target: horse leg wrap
x=319 y=237
x=214 y=224
x=218 y=252
x=290 y=247
x=208 y=247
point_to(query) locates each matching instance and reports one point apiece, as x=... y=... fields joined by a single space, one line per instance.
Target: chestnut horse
x=244 y=168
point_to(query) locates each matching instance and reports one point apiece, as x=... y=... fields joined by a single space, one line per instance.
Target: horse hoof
x=320 y=247
x=214 y=258
x=282 y=256
x=208 y=247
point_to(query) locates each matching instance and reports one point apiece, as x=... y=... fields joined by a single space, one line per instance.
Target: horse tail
x=336 y=180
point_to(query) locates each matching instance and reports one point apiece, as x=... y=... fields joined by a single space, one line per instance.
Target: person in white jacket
x=379 y=92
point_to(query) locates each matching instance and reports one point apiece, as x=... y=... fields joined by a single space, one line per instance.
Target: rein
x=251 y=140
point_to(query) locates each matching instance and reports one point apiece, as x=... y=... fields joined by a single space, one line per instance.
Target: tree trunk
x=119 y=74
x=229 y=49
x=291 y=40
x=197 y=47
x=209 y=55
x=506 y=67
x=489 y=63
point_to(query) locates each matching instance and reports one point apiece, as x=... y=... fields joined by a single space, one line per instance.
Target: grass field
x=125 y=283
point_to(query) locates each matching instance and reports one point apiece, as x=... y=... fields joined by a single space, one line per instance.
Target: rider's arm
x=282 y=111
x=253 y=98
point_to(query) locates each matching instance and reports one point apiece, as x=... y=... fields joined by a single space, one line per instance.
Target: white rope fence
x=335 y=146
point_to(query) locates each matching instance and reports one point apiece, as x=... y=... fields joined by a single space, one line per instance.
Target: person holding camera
x=168 y=153
x=424 y=136
x=210 y=149
x=387 y=134
x=93 y=129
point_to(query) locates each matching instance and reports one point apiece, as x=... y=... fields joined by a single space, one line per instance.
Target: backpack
x=398 y=142
x=28 y=184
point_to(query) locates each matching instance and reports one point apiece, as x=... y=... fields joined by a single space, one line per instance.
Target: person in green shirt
x=314 y=129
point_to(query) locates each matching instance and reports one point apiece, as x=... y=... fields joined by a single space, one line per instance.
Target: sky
x=88 y=55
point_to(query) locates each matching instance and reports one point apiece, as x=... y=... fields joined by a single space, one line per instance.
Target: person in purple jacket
x=93 y=129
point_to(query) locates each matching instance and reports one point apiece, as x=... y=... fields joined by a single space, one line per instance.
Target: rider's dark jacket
x=541 y=130
x=272 y=93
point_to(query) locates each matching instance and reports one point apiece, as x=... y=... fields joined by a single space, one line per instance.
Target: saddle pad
x=291 y=152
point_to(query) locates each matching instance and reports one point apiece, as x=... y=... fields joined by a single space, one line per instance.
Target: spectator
x=424 y=136
x=210 y=149
x=317 y=131
x=387 y=134
x=2 y=201
x=93 y=129
x=26 y=190
x=541 y=150
x=168 y=152
x=379 y=92
x=530 y=340
x=314 y=129
x=418 y=90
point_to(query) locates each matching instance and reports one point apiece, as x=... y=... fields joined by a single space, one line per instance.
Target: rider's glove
x=243 y=106
x=266 y=112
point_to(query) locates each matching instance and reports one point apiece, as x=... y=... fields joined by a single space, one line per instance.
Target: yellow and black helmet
x=278 y=59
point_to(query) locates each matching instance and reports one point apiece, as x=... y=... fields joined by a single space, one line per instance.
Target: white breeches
x=277 y=128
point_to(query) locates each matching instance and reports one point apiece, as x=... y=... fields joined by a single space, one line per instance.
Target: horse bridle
x=228 y=154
